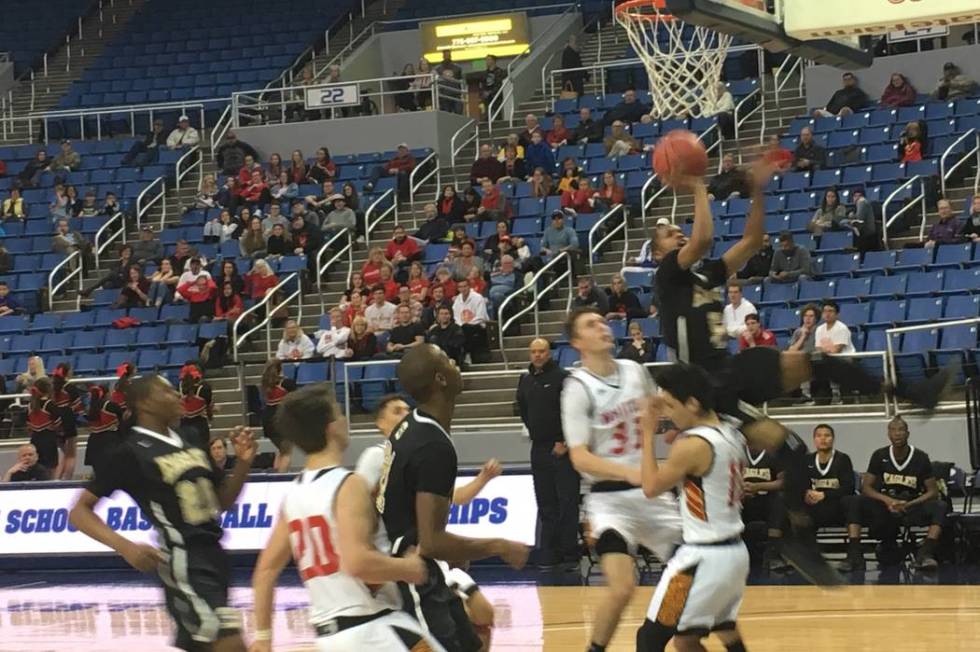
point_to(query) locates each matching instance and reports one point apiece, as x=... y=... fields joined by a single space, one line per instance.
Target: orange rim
x=626 y=9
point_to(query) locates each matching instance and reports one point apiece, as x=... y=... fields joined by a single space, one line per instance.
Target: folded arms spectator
x=809 y=155
x=899 y=92
x=791 y=262
x=587 y=130
x=13 y=207
x=846 y=100
x=147 y=151
x=730 y=182
x=231 y=154
x=486 y=166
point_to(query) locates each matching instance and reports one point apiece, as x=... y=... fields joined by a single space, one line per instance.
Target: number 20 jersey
x=309 y=508
x=604 y=413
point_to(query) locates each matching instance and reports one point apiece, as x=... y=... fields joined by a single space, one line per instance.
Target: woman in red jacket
x=418 y=285
x=200 y=295
x=371 y=271
x=578 y=197
x=559 y=134
x=228 y=305
x=609 y=193
x=899 y=92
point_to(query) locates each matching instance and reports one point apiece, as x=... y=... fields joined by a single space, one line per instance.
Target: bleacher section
x=27 y=33
x=185 y=50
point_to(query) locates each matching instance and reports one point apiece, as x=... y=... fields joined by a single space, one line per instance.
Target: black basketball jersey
x=173 y=482
x=900 y=479
x=761 y=467
x=835 y=478
x=422 y=459
x=691 y=309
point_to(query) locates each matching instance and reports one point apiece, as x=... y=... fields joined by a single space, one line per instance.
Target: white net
x=683 y=62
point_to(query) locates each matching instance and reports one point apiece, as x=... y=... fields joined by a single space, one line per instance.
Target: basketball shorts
x=440 y=612
x=753 y=375
x=653 y=523
x=393 y=631
x=195 y=581
x=701 y=589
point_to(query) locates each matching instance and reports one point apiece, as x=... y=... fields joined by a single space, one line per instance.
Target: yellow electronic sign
x=503 y=35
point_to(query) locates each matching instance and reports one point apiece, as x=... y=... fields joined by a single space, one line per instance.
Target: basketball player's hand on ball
x=142 y=557
x=244 y=443
x=514 y=554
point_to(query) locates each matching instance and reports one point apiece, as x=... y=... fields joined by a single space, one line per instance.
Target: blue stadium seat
x=150 y=336
x=120 y=339
x=888 y=312
x=782 y=319
x=150 y=359
x=855 y=314
x=838 y=264
x=913 y=259
x=962 y=306
x=958 y=281
x=925 y=309
x=952 y=255
x=90 y=363
x=878 y=261
x=832 y=241
x=650 y=326
x=815 y=291
x=312 y=372
x=924 y=283
x=88 y=340
x=853 y=288
x=777 y=294
x=178 y=356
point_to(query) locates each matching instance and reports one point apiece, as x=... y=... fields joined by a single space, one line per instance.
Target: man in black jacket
x=809 y=155
x=556 y=483
x=846 y=100
x=588 y=130
x=758 y=266
x=147 y=151
x=231 y=154
x=447 y=335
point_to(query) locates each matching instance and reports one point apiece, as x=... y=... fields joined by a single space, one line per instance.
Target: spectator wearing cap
x=953 y=84
x=231 y=154
x=846 y=100
x=401 y=167
x=68 y=159
x=306 y=241
x=341 y=218
x=558 y=237
x=184 y=135
x=147 y=249
x=486 y=166
x=619 y=142
x=195 y=271
x=147 y=151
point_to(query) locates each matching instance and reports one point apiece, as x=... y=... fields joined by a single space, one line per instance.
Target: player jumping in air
x=601 y=405
x=416 y=492
x=329 y=526
x=182 y=494
x=701 y=589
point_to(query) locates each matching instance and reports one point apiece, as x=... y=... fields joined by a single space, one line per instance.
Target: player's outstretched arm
x=585 y=461
x=464 y=495
x=703 y=232
x=432 y=514
x=356 y=523
x=245 y=449
x=142 y=557
x=273 y=559
x=755 y=226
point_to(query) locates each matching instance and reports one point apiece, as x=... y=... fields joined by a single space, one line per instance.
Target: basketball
x=679 y=153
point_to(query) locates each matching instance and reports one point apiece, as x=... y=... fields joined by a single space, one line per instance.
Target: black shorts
x=885 y=525
x=753 y=376
x=195 y=581
x=443 y=611
x=46 y=444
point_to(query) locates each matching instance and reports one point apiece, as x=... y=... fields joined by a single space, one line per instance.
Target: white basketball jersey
x=711 y=505
x=610 y=409
x=313 y=536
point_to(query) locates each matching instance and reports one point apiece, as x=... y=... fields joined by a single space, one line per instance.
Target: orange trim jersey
x=711 y=504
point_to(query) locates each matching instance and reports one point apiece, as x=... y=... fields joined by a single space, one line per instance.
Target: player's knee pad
x=653 y=636
x=611 y=542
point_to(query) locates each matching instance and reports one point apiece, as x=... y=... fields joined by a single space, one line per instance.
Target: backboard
x=833 y=19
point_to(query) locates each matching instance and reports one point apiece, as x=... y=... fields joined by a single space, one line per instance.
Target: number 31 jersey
x=603 y=413
x=309 y=508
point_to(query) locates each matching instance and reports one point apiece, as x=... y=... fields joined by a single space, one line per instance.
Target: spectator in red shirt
x=260 y=280
x=493 y=205
x=400 y=167
x=245 y=172
x=323 y=168
x=755 y=334
x=200 y=295
x=913 y=142
x=402 y=251
x=578 y=197
x=609 y=193
x=355 y=308
x=298 y=169
x=418 y=284
x=228 y=305
x=444 y=279
x=388 y=284
x=899 y=92
x=256 y=191
x=558 y=135
x=371 y=271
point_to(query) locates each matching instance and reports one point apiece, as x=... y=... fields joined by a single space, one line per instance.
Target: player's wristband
x=263 y=635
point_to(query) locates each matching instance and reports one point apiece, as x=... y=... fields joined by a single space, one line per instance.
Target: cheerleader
x=44 y=424
x=195 y=395
x=125 y=373
x=104 y=420
x=274 y=389
x=68 y=399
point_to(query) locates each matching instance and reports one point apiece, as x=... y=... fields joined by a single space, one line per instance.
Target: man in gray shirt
x=274 y=217
x=791 y=262
x=560 y=237
x=340 y=218
x=147 y=248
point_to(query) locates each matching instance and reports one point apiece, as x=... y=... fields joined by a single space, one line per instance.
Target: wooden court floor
x=897 y=618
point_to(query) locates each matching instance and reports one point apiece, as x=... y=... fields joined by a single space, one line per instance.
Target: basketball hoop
x=683 y=62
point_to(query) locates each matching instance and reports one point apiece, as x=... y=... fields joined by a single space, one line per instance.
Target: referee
x=556 y=483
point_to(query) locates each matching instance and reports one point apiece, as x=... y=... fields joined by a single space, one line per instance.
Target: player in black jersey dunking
x=182 y=494
x=688 y=289
x=416 y=491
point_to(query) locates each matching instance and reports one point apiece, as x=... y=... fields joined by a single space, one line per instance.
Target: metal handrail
x=898 y=330
x=194 y=156
x=886 y=221
x=944 y=174
x=532 y=285
x=739 y=122
x=99 y=248
x=595 y=247
x=414 y=186
x=132 y=110
x=219 y=130
x=267 y=320
x=368 y=224
x=322 y=267
x=454 y=150
x=141 y=208
x=75 y=273
x=507 y=88
x=785 y=74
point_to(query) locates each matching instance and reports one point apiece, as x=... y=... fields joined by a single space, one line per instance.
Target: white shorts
x=654 y=523
x=379 y=634
x=701 y=588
